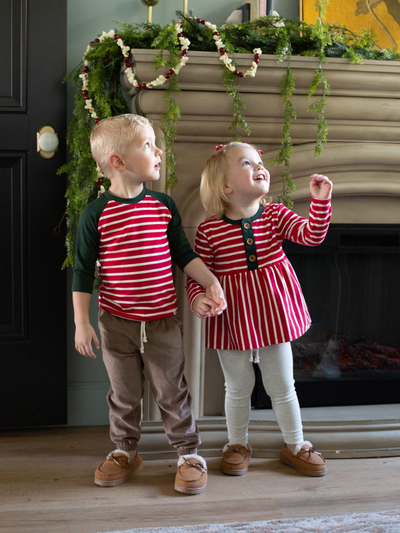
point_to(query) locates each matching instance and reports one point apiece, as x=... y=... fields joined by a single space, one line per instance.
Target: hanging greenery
x=99 y=92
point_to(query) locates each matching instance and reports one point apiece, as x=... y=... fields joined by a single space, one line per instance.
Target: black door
x=33 y=286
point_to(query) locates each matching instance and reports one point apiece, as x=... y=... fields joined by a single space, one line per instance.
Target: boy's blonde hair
x=112 y=135
x=213 y=182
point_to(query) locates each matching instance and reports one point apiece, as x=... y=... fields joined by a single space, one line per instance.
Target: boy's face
x=142 y=158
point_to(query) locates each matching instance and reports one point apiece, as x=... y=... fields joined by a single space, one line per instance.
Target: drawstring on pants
x=254 y=356
x=143 y=337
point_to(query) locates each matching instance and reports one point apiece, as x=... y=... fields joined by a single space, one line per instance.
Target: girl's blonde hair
x=112 y=135
x=213 y=182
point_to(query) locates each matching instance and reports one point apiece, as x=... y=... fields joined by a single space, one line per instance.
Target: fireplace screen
x=351 y=353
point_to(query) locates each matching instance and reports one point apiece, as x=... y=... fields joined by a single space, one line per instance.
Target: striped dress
x=132 y=242
x=265 y=303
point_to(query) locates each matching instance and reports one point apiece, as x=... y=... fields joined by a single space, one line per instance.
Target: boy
x=131 y=234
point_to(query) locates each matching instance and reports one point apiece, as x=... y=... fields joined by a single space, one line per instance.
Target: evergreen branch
x=169 y=120
x=286 y=148
x=231 y=84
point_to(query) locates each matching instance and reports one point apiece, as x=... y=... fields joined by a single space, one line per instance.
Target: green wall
x=87 y=378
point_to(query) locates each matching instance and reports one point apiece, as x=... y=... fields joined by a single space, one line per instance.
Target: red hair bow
x=219 y=146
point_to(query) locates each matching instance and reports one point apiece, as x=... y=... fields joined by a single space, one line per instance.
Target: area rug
x=385 y=522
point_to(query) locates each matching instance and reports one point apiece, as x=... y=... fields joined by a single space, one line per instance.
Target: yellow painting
x=383 y=16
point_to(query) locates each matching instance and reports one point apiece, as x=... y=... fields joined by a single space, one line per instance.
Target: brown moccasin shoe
x=191 y=476
x=117 y=468
x=235 y=459
x=306 y=461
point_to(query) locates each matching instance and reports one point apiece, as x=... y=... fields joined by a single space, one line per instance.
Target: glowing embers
x=339 y=357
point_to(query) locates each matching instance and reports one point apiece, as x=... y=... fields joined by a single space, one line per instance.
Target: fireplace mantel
x=363 y=115
x=362 y=157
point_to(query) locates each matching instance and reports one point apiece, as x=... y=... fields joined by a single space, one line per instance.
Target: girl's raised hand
x=320 y=187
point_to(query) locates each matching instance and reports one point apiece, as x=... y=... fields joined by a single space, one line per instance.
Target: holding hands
x=211 y=303
x=320 y=187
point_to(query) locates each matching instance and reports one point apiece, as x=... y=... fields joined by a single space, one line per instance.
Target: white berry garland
x=160 y=80
x=251 y=72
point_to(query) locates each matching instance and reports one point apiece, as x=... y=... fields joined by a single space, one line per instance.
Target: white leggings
x=276 y=366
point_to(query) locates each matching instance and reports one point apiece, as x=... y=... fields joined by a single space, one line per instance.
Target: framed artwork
x=383 y=16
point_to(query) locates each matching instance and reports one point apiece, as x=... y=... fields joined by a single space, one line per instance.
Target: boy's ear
x=227 y=189
x=116 y=162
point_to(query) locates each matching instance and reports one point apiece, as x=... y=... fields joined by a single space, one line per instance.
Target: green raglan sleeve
x=181 y=251
x=87 y=247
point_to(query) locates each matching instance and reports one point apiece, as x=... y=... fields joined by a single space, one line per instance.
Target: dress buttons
x=249 y=241
x=246 y=225
x=252 y=258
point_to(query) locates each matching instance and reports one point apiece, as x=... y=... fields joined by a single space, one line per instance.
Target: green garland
x=274 y=35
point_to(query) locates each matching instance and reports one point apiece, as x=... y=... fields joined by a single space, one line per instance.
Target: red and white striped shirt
x=133 y=242
x=265 y=303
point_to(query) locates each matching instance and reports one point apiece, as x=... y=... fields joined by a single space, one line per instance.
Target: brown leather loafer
x=117 y=468
x=306 y=461
x=191 y=476
x=235 y=459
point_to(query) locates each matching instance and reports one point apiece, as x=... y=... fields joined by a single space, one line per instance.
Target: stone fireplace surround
x=362 y=158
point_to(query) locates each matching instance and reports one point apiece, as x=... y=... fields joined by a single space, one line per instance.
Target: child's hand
x=84 y=336
x=215 y=293
x=210 y=303
x=320 y=187
x=202 y=306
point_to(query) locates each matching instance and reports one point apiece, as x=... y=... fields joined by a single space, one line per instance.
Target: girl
x=241 y=243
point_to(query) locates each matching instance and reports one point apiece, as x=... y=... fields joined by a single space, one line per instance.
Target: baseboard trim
x=335 y=439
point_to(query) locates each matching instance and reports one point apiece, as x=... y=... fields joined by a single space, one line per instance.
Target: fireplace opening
x=351 y=353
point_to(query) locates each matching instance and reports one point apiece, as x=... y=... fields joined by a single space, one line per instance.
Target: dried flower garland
x=251 y=72
x=162 y=78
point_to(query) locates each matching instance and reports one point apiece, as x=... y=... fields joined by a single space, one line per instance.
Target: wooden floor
x=46 y=486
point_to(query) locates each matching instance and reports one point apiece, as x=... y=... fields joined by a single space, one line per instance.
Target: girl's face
x=246 y=177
